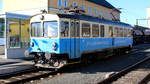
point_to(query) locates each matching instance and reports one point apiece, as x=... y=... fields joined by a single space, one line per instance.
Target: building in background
x=148 y=16
x=15 y=16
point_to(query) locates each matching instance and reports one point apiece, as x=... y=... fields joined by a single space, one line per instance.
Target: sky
x=0 y=5
x=132 y=10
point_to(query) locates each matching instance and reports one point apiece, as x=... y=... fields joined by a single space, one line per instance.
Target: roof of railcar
x=93 y=19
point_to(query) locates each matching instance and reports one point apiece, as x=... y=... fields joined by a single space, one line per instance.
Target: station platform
x=14 y=65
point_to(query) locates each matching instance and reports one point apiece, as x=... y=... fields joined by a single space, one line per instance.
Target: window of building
x=102 y=29
x=24 y=32
x=2 y=37
x=65 y=3
x=2 y=28
x=95 y=12
x=89 y=10
x=14 y=33
x=82 y=7
x=101 y=13
x=106 y=14
x=74 y=4
x=64 y=29
x=95 y=30
x=86 y=30
x=59 y=3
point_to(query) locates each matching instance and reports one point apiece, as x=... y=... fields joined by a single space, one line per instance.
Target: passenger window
x=122 y=32
x=95 y=30
x=72 y=29
x=110 y=31
x=102 y=29
x=115 y=34
x=129 y=33
x=125 y=32
x=86 y=30
x=64 y=29
x=77 y=29
x=118 y=32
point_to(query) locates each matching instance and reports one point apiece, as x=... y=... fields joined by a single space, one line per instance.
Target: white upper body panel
x=44 y=17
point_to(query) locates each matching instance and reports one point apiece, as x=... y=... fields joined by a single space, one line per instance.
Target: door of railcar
x=75 y=38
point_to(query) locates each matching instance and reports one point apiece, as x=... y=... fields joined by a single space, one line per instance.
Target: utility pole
x=48 y=6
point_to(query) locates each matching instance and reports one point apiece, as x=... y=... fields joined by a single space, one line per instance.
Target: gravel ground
x=133 y=77
x=96 y=72
x=149 y=82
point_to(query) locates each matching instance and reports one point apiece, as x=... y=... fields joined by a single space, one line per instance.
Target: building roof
x=104 y=3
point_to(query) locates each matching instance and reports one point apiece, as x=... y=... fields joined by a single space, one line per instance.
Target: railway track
x=116 y=76
x=34 y=73
x=145 y=79
x=26 y=75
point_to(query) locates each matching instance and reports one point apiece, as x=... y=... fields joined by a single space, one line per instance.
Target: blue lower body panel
x=75 y=47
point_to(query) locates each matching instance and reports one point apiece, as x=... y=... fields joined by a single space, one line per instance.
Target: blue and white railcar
x=58 y=39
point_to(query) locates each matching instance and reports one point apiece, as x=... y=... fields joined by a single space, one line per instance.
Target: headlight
x=32 y=44
x=54 y=46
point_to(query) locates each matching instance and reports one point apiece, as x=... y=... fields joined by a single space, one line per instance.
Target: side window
x=102 y=29
x=95 y=30
x=77 y=29
x=129 y=33
x=72 y=29
x=110 y=31
x=86 y=30
x=119 y=32
x=122 y=32
x=115 y=34
x=64 y=28
x=125 y=32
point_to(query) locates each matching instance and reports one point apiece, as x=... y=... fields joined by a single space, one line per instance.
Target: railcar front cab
x=45 y=41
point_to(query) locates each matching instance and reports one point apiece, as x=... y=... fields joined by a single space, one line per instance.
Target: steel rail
x=145 y=79
x=7 y=75
x=27 y=75
x=123 y=72
x=23 y=77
